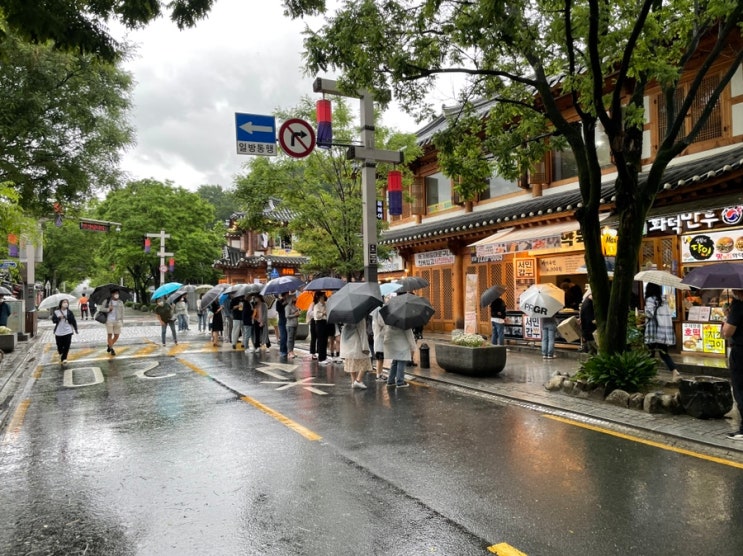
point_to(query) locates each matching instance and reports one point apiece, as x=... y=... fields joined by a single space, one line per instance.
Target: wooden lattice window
x=712 y=129
x=417 y=193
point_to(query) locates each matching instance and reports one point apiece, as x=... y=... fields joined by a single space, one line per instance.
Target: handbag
x=101 y=317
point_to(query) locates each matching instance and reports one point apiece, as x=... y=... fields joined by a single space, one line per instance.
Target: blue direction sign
x=256 y=134
x=8 y=264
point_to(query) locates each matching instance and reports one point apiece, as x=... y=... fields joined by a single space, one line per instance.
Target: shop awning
x=495 y=238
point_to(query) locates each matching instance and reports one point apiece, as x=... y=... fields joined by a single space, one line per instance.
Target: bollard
x=424 y=356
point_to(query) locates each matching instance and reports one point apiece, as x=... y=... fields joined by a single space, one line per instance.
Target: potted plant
x=470 y=354
x=303 y=328
x=8 y=339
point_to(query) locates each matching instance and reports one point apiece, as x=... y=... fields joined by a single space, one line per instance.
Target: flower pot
x=8 y=342
x=476 y=361
x=303 y=330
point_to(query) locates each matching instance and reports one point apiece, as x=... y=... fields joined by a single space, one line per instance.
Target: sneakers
x=381 y=378
x=108 y=349
x=403 y=385
x=545 y=357
x=550 y=357
x=357 y=384
x=323 y=362
x=314 y=356
x=735 y=435
x=112 y=351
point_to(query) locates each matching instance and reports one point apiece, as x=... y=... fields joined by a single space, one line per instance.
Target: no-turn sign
x=297 y=138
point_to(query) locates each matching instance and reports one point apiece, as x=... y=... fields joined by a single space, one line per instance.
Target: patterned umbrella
x=542 y=300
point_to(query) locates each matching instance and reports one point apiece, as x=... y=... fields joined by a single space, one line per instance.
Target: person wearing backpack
x=166 y=317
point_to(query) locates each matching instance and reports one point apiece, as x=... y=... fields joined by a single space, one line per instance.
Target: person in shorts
x=115 y=309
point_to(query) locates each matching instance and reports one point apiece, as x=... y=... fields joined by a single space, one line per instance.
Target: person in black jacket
x=64 y=324
x=498 y=320
x=588 y=324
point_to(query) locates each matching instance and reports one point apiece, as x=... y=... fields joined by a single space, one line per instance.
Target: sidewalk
x=521 y=382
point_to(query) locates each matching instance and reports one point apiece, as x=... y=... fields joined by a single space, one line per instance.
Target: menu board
x=698 y=313
x=702 y=337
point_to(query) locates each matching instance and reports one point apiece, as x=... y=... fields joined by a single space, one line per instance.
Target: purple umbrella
x=717 y=276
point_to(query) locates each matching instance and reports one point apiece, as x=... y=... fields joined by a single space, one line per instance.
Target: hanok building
x=251 y=256
x=521 y=233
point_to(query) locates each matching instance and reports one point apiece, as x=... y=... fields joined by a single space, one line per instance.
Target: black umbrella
x=354 y=301
x=325 y=283
x=241 y=290
x=717 y=276
x=102 y=293
x=213 y=294
x=412 y=283
x=407 y=311
x=176 y=295
x=282 y=284
x=491 y=294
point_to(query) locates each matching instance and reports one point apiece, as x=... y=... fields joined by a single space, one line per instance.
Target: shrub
x=635 y=332
x=468 y=340
x=128 y=303
x=630 y=371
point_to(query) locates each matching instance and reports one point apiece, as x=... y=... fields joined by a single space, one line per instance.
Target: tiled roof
x=233 y=257
x=563 y=204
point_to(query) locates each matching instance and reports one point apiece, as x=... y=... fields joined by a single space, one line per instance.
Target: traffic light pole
x=163 y=236
x=369 y=157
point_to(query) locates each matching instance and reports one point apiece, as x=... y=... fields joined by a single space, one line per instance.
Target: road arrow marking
x=251 y=128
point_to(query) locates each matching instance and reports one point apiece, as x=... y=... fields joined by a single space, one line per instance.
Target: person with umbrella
x=732 y=330
x=115 y=319
x=64 y=325
x=292 y=323
x=320 y=314
x=354 y=350
x=181 y=313
x=587 y=322
x=498 y=321
x=217 y=326
x=659 y=332
x=398 y=345
x=201 y=314
x=166 y=317
x=260 y=323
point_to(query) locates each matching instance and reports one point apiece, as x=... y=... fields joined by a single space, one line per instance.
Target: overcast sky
x=246 y=57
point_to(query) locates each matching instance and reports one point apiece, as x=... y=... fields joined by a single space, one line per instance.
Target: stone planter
x=706 y=397
x=475 y=361
x=8 y=342
x=303 y=330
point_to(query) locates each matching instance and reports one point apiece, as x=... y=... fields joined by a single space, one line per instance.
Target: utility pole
x=370 y=156
x=163 y=236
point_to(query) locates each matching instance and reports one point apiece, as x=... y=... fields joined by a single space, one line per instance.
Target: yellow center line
x=16 y=422
x=175 y=350
x=146 y=350
x=648 y=442
x=505 y=549
x=283 y=419
x=80 y=353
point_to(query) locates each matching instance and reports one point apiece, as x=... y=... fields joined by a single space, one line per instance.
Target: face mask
x=115 y=296
x=64 y=305
x=161 y=303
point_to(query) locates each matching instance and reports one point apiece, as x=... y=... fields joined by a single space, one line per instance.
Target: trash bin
x=425 y=356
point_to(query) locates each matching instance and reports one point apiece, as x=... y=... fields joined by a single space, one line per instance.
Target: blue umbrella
x=166 y=289
x=389 y=287
x=282 y=284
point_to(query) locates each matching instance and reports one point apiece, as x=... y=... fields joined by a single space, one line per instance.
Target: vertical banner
x=470 y=304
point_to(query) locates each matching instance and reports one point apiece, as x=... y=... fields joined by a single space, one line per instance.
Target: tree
x=536 y=61
x=62 y=124
x=148 y=206
x=323 y=193
x=79 y=25
x=223 y=201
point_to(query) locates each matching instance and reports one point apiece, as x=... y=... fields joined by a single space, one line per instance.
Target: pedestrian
x=64 y=325
x=398 y=345
x=320 y=313
x=334 y=341
x=732 y=330
x=217 y=322
x=549 y=329
x=201 y=314
x=84 y=310
x=659 y=332
x=5 y=311
x=115 y=319
x=260 y=324
x=181 y=313
x=281 y=302
x=226 y=302
x=498 y=322
x=92 y=307
x=573 y=294
x=313 y=328
x=378 y=333
x=587 y=321
x=166 y=315
x=246 y=318
x=236 y=307
x=292 y=323
x=354 y=350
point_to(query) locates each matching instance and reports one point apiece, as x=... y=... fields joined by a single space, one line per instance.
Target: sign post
x=162 y=253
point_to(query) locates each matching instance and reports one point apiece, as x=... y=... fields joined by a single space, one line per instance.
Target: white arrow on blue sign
x=255 y=134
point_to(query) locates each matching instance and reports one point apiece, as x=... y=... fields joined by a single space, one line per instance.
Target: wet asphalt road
x=203 y=451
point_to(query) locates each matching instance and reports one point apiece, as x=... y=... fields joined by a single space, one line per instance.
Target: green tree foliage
x=148 y=206
x=323 y=191
x=80 y=24
x=68 y=252
x=534 y=59
x=223 y=201
x=62 y=124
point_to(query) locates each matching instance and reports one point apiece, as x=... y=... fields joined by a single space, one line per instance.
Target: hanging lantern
x=324 y=124
x=147 y=245
x=171 y=264
x=394 y=192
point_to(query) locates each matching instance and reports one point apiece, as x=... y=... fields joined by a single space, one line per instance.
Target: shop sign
x=434 y=258
x=475 y=257
x=696 y=221
x=569 y=264
x=394 y=264
x=724 y=245
x=525 y=268
x=490 y=252
x=703 y=338
x=472 y=302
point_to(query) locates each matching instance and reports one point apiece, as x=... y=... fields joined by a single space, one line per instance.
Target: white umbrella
x=662 y=278
x=542 y=300
x=52 y=302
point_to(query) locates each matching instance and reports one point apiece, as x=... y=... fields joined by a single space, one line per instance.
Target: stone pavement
x=521 y=382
